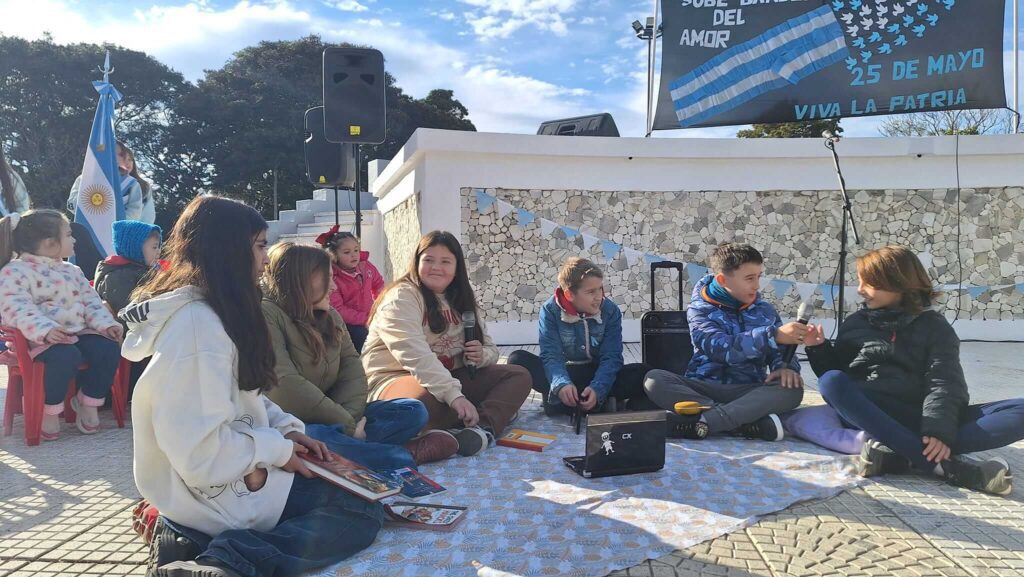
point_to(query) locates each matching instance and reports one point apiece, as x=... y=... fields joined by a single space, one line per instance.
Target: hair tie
x=15 y=218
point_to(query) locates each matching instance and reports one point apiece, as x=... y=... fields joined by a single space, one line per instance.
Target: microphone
x=803 y=316
x=828 y=135
x=469 y=334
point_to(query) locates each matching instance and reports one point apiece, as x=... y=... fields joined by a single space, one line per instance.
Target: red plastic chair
x=26 y=395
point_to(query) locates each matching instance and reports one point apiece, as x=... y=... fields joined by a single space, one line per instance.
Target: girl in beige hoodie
x=417 y=348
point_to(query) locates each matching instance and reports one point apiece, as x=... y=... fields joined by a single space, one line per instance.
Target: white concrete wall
x=435 y=164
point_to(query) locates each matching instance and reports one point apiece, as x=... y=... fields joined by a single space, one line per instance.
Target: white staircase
x=314 y=216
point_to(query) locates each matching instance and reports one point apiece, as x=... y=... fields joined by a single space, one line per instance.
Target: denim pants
x=629 y=383
x=358 y=334
x=896 y=423
x=62 y=362
x=395 y=421
x=321 y=525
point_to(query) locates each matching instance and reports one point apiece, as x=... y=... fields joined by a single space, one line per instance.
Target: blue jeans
x=394 y=422
x=896 y=423
x=358 y=334
x=62 y=362
x=321 y=525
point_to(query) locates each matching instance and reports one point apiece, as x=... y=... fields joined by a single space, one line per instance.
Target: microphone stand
x=830 y=143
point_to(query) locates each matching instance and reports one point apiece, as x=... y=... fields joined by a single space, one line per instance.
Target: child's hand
x=295 y=464
x=788 y=378
x=466 y=411
x=360 y=432
x=115 y=332
x=791 y=334
x=569 y=395
x=473 y=353
x=588 y=400
x=815 y=336
x=317 y=448
x=254 y=481
x=59 y=337
x=935 y=450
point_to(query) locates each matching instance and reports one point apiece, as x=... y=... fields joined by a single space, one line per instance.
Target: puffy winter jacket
x=730 y=345
x=914 y=358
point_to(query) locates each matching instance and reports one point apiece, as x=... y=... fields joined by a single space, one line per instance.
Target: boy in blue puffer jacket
x=737 y=339
x=580 y=360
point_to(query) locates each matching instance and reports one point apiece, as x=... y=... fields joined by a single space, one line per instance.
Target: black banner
x=731 y=62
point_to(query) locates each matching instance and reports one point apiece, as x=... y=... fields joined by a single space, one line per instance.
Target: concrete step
x=346 y=220
x=327 y=217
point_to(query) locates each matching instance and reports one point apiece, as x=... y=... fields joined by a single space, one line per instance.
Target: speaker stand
x=359 y=211
x=337 y=219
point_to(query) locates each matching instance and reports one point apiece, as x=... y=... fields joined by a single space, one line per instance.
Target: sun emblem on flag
x=96 y=199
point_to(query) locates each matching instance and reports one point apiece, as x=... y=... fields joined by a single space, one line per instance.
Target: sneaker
x=433 y=445
x=768 y=427
x=991 y=476
x=472 y=440
x=877 y=459
x=685 y=426
x=168 y=547
x=195 y=569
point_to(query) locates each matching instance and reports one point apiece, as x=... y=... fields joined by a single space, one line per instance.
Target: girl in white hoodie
x=212 y=452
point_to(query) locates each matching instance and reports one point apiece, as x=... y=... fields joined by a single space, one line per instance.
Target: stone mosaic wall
x=401 y=234
x=515 y=268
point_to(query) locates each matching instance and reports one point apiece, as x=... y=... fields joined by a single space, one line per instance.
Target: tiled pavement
x=65 y=510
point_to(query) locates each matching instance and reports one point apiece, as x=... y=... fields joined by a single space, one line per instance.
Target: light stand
x=830 y=143
x=650 y=35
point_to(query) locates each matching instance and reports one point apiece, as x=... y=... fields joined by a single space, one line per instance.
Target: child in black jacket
x=894 y=371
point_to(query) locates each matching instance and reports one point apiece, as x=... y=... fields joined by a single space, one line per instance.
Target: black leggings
x=629 y=384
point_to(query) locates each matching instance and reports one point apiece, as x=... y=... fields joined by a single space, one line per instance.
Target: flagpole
x=1016 y=66
x=652 y=57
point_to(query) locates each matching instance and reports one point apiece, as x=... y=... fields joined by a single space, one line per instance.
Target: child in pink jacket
x=357 y=282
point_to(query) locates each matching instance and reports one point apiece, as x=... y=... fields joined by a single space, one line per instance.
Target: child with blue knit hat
x=137 y=245
x=137 y=248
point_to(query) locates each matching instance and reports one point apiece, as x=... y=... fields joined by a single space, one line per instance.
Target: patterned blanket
x=530 y=515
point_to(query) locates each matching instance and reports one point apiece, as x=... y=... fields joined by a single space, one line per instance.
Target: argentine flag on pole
x=99 y=195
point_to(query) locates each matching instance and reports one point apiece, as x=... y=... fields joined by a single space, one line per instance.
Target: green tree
x=246 y=120
x=948 y=122
x=47 y=104
x=809 y=129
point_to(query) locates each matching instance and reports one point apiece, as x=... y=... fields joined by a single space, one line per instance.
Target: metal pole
x=1016 y=66
x=336 y=217
x=652 y=98
x=647 y=127
x=359 y=211
x=275 y=194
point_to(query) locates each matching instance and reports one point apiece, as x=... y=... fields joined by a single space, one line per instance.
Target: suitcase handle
x=667 y=264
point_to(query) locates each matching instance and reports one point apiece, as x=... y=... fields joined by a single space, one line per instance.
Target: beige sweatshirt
x=400 y=344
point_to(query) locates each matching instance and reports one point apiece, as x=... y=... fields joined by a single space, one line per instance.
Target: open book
x=353 y=477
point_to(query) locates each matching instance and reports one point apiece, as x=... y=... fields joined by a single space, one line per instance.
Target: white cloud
x=501 y=18
x=347 y=5
x=446 y=16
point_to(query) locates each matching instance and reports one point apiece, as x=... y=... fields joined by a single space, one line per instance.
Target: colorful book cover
x=416 y=485
x=353 y=477
x=425 y=515
x=528 y=440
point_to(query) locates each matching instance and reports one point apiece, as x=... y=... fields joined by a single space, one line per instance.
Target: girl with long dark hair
x=213 y=453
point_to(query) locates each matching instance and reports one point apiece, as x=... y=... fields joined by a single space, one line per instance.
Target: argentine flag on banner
x=99 y=195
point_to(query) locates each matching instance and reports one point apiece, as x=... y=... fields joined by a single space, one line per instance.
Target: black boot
x=877 y=459
x=768 y=427
x=168 y=547
x=991 y=476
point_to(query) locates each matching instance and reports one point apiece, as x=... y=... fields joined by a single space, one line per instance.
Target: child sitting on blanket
x=737 y=339
x=894 y=371
x=580 y=362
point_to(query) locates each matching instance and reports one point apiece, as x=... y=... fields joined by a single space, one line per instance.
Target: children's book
x=424 y=515
x=416 y=485
x=353 y=477
x=520 y=439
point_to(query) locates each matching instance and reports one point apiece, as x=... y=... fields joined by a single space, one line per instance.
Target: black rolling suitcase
x=665 y=335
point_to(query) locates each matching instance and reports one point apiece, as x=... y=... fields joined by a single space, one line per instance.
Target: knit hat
x=129 y=235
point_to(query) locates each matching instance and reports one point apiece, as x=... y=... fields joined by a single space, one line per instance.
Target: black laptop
x=622 y=444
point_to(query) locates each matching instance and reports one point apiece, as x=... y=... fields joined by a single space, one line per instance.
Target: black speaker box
x=328 y=164
x=354 y=101
x=593 y=125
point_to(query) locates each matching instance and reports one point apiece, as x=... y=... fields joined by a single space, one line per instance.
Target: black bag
x=665 y=335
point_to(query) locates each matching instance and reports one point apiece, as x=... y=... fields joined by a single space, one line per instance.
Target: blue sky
x=514 y=63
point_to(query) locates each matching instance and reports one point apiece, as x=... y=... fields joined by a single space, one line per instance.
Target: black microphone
x=803 y=316
x=469 y=334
